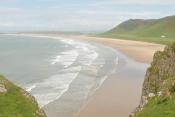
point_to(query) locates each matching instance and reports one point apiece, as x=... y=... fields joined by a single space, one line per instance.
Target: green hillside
x=15 y=102
x=153 y=30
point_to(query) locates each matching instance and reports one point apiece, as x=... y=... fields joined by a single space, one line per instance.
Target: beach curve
x=109 y=99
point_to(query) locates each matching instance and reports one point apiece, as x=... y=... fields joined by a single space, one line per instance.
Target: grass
x=145 y=30
x=15 y=104
x=165 y=41
x=159 y=107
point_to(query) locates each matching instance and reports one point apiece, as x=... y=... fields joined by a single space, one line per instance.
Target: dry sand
x=140 y=51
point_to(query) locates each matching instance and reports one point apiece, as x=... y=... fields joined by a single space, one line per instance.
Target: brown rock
x=2 y=89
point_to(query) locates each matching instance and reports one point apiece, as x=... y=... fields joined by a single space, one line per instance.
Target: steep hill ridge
x=151 y=30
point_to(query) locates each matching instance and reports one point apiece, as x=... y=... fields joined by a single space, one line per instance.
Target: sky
x=77 y=15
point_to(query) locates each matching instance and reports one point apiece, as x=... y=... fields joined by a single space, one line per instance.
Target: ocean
x=61 y=71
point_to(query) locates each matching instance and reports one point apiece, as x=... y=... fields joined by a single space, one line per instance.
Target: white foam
x=45 y=98
x=89 y=56
x=52 y=88
x=116 y=61
x=69 y=57
x=68 y=41
x=66 y=58
x=31 y=87
x=89 y=51
x=55 y=60
x=83 y=47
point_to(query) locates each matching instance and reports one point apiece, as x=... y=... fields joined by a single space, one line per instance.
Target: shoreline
x=138 y=50
x=111 y=98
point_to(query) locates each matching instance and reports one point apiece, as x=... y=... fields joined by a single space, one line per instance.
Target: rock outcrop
x=160 y=77
x=2 y=88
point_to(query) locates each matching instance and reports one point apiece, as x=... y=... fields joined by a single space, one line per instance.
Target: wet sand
x=118 y=96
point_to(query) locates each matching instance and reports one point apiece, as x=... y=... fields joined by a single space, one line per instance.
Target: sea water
x=60 y=73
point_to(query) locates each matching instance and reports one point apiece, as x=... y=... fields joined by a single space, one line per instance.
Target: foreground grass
x=159 y=107
x=15 y=103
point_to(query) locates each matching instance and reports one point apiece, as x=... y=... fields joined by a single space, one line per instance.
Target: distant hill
x=152 y=30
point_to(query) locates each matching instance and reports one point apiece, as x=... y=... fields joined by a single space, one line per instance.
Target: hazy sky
x=77 y=15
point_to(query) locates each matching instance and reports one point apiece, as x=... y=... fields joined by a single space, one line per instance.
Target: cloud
x=83 y=15
x=8 y=1
x=10 y=10
x=7 y=24
x=144 y=2
x=84 y=20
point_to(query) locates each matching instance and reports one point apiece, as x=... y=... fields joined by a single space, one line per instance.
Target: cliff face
x=16 y=102
x=159 y=85
x=161 y=71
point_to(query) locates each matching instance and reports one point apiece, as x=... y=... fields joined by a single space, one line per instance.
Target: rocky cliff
x=158 y=99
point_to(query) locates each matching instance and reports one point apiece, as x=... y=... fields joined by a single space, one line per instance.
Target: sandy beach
x=137 y=50
x=120 y=94
x=87 y=58
x=140 y=51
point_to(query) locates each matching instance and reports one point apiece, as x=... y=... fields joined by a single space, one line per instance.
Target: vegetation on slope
x=154 y=30
x=158 y=94
x=15 y=102
x=159 y=107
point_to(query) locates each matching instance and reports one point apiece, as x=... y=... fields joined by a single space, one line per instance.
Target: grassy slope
x=159 y=107
x=145 y=30
x=15 y=104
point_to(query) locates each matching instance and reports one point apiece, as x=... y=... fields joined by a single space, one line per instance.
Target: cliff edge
x=158 y=93
x=16 y=102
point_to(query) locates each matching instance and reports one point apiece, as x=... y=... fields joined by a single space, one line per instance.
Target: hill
x=15 y=102
x=158 y=93
x=152 y=30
